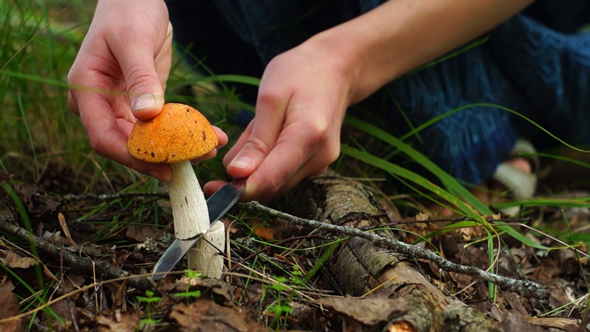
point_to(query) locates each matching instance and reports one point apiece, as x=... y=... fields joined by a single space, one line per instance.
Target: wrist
x=362 y=51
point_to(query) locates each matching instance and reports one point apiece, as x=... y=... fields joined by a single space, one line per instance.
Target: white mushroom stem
x=189 y=207
x=206 y=256
x=191 y=218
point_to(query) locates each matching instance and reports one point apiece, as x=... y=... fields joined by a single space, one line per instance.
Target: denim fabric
x=533 y=63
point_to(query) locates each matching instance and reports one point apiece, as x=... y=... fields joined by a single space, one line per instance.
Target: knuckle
x=138 y=75
x=269 y=98
x=318 y=130
x=258 y=145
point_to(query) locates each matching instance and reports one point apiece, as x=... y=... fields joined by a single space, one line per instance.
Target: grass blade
x=449 y=182
x=421 y=181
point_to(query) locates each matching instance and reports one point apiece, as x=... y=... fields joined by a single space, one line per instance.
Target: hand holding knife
x=218 y=204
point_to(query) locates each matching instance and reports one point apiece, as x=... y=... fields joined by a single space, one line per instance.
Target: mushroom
x=178 y=134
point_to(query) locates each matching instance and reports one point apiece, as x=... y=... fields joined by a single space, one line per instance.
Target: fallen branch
x=101 y=268
x=432 y=220
x=523 y=288
x=110 y=197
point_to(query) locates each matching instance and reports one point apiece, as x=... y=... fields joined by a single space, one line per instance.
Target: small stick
x=110 y=197
x=523 y=288
x=103 y=268
x=431 y=220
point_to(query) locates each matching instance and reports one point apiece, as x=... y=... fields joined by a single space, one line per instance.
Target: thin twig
x=431 y=220
x=102 y=267
x=523 y=288
x=110 y=197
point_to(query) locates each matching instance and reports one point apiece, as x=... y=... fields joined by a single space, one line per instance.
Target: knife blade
x=218 y=204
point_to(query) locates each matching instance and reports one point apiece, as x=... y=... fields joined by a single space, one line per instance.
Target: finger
x=231 y=154
x=138 y=66
x=261 y=137
x=295 y=157
x=108 y=135
x=222 y=138
x=163 y=59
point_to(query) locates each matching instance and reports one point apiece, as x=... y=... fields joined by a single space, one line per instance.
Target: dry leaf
x=206 y=315
x=66 y=309
x=264 y=232
x=9 y=308
x=467 y=233
x=141 y=233
x=15 y=261
x=117 y=321
x=368 y=311
x=422 y=216
x=6 y=285
x=562 y=323
x=64 y=227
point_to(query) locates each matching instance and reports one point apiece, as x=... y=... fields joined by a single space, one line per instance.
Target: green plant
x=148 y=300
x=187 y=294
x=280 y=307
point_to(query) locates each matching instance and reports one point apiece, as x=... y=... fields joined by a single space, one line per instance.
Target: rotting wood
x=360 y=265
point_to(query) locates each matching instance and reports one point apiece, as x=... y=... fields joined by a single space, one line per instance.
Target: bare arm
x=305 y=91
x=401 y=35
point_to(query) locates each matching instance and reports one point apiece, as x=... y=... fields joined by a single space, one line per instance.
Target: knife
x=218 y=204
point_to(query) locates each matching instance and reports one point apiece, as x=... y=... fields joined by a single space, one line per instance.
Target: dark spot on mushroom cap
x=188 y=110
x=153 y=154
x=204 y=136
x=186 y=200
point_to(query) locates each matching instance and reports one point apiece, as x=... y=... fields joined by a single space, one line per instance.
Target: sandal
x=520 y=183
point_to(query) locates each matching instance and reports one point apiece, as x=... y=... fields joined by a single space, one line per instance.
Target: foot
x=488 y=192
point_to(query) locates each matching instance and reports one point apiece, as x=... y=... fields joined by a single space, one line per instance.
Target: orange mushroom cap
x=178 y=133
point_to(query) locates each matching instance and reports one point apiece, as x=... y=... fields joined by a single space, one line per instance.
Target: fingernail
x=241 y=162
x=144 y=101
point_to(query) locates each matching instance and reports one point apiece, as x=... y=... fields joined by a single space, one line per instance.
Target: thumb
x=146 y=94
x=144 y=87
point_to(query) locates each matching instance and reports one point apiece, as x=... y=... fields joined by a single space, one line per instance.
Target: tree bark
x=360 y=266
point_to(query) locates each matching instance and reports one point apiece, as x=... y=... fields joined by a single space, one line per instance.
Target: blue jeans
x=535 y=63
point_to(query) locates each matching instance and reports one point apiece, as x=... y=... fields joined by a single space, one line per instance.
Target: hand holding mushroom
x=177 y=135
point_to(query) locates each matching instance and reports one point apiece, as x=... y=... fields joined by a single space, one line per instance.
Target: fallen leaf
x=66 y=309
x=368 y=311
x=467 y=233
x=9 y=308
x=421 y=216
x=205 y=285
x=55 y=238
x=65 y=229
x=117 y=321
x=206 y=315
x=264 y=232
x=37 y=204
x=15 y=261
x=141 y=233
x=562 y=323
x=6 y=285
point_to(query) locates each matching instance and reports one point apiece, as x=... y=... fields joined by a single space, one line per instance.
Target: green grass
x=39 y=136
